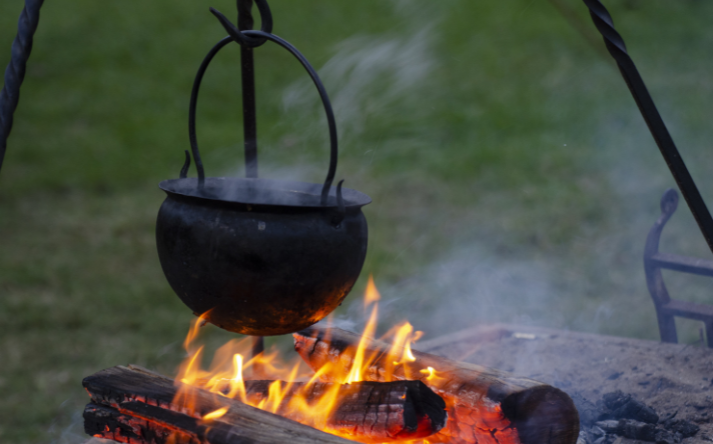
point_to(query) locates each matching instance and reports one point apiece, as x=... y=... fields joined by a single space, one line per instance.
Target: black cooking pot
x=262 y=257
x=256 y=256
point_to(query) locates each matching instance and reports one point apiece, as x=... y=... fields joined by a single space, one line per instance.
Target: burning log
x=137 y=406
x=134 y=406
x=484 y=405
x=371 y=412
x=136 y=422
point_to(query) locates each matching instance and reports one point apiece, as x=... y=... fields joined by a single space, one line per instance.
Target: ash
x=626 y=390
x=619 y=415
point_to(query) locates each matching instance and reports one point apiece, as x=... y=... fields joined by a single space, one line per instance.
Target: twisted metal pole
x=15 y=72
x=617 y=49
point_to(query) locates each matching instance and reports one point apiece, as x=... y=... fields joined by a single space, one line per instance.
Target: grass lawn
x=513 y=179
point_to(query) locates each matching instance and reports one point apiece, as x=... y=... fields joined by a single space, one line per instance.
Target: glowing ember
x=226 y=374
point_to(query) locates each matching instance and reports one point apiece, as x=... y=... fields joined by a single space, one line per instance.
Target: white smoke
x=372 y=75
x=367 y=75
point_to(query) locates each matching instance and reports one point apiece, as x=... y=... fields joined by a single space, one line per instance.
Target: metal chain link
x=15 y=72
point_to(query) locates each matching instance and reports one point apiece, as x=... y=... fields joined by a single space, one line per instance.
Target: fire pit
x=353 y=386
x=674 y=381
x=626 y=390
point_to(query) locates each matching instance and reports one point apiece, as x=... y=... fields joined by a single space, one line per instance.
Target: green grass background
x=512 y=176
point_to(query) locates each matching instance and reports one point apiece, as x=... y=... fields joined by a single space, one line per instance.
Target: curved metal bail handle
x=331 y=122
x=194 y=104
x=617 y=49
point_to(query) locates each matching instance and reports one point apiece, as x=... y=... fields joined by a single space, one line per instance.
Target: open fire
x=343 y=386
x=357 y=388
x=295 y=391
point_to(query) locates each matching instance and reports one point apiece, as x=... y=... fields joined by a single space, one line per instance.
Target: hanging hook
x=236 y=35
x=243 y=9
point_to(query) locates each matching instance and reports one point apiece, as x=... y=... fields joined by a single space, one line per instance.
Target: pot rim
x=262 y=192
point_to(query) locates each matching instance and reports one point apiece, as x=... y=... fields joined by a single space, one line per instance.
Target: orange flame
x=216 y=414
x=432 y=374
x=226 y=374
x=371 y=296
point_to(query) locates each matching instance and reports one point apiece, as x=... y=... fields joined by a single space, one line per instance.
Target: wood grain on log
x=130 y=405
x=484 y=405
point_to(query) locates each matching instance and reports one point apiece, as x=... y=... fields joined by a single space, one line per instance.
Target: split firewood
x=131 y=405
x=370 y=412
x=136 y=422
x=485 y=406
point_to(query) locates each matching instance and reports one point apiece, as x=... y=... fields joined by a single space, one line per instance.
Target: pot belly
x=255 y=272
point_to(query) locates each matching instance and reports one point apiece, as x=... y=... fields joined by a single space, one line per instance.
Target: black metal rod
x=15 y=72
x=617 y=49
x=244 y=37
x=331 y=122
x=247 y=66
x=258 y=346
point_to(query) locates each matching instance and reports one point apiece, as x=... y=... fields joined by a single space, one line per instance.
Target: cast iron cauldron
x=263 y=257
x=257 y=256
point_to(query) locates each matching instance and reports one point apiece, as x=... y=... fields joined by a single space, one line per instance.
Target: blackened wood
x=127 y=399
x=484 y=405
x=139 y=423
x=367 y=411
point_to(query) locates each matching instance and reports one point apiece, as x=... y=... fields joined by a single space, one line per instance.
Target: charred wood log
x=139 y=423
x=484 y=405
x=136 y=406
x=139 y=406
x=367 y=411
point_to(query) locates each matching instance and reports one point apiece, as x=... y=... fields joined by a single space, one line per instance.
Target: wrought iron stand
x=655 y=261
x=666 y=308
x=617 y=49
